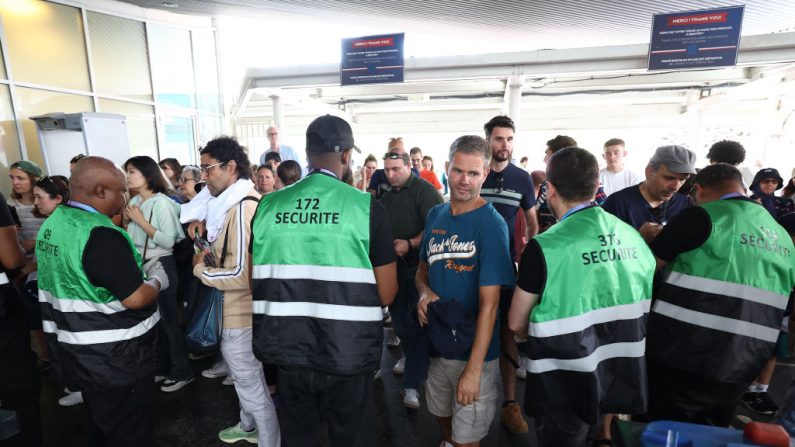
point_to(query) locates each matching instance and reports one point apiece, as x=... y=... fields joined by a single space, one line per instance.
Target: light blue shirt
x=285 y=152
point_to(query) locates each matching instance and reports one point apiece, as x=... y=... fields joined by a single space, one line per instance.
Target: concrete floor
x=194 y=415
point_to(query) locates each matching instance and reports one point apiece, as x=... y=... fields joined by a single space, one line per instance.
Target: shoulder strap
x=226 y=234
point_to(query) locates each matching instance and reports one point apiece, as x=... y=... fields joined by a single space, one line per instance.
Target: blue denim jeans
x=413 y=337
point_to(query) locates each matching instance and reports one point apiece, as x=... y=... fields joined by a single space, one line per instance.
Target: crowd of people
x=665 y=296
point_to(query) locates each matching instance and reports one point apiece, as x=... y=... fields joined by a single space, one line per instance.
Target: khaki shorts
x=470 y=423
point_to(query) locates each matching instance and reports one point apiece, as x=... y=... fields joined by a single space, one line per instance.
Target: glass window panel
x=209 y=128
x=118 y=50
x=178 y=139
x=172 y=65
x=34 y=102
x=204 y=57
x=46 y=43
x=140 y=125
x=9 y=140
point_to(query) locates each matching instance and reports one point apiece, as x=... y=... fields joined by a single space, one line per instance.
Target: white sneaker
x=411 y=398
x=170 y=385
x=400 y=366
x=71 y=399
x=219 y=369
x=228 y=381
x=393 y=341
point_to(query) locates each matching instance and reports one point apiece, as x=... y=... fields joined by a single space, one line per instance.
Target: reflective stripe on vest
x=3 y=278
x=97 y=337
x=318 y=310
x=716 y=322
x=581 y=322
x=314 y=272
x=718 y=287
x=590 y=362
x=70 y=305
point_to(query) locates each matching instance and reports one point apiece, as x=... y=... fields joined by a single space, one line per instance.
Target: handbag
x=206 y=313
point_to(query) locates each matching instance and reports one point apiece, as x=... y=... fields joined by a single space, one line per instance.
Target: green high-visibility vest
x=589 y=322
x=719 y=312
x=315 y=299
x=95 y=342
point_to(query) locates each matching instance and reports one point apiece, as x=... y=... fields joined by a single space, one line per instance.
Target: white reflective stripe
x=590 y=362
x=318 y=272
x=3 y=278
x=104 y=336
x=512 y=202
x=710 y=321
x=581 y=322
x=501 y=192
x=318 y=310
x=70 y=305
x=748 y=293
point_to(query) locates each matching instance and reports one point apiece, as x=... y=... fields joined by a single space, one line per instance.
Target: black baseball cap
x=329 y=133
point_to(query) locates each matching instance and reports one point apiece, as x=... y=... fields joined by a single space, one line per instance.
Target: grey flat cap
x=677 y=159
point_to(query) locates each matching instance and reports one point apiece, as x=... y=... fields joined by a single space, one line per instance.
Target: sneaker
x=377 y=374
x=411 y=399
x=219 y=369
x=171 y=385
x=400 y=366
x=227 y=381
x=236 y=433
x=393 y=341
x=71 y=399
x=511 y=416
x=759 y=403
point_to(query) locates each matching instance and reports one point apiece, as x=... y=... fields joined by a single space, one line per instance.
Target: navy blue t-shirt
x=630 y=206
x=464 y=253
x=508 y=191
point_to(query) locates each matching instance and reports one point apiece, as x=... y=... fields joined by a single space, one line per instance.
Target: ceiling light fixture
x=170 y=5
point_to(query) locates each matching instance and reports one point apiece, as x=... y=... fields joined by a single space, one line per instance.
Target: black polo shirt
x=408 y=207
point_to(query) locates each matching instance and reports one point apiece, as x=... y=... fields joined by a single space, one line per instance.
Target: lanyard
x=322 y=171
x=82 y=206
x=731 y=195
x=575 y=209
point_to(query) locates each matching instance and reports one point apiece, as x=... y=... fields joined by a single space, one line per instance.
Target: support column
x=513 y=97
x=278 y=110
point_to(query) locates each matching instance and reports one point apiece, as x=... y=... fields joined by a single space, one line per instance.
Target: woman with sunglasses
x=154 y=228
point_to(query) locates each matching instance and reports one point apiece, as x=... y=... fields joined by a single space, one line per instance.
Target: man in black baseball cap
x=323 y=265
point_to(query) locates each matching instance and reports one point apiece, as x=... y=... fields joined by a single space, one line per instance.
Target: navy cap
x=451 y=328
x=329 y=133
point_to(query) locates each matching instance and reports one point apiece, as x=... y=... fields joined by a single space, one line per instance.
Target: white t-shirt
x=616 y=181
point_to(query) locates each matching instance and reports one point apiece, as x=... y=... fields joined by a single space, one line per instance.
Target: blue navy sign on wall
x=372 y=59
x=695 y=39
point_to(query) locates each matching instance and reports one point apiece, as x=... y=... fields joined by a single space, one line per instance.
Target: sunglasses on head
x=396 y=156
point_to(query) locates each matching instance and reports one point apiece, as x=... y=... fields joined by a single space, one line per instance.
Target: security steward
x=323 y=265
x=586 y=286
x=716 y=319
x=98 y=311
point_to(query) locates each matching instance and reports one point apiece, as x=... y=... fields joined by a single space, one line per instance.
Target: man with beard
x=649 y=205
x=508 y=188
x=407 y=203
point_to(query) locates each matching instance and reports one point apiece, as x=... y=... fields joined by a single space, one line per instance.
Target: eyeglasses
x=206 y=169
x=273 y=133
x=185 y=179
x=499 y=179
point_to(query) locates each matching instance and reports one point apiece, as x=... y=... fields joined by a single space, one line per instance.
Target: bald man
x=98 y=308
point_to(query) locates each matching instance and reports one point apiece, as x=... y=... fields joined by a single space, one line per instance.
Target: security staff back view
x=323 y=265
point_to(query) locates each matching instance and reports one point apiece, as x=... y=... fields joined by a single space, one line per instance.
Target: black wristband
x=409 y=242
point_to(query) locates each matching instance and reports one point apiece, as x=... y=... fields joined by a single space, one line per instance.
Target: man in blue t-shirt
x=464 y=257
x=649 y=205
x=508 y=188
